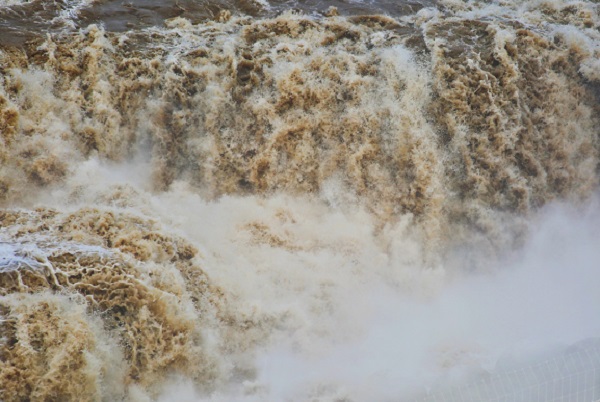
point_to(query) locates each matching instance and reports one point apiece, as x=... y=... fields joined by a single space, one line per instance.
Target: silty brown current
x=457 y=119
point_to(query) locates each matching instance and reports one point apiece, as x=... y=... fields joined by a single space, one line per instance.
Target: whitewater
x=299 y=200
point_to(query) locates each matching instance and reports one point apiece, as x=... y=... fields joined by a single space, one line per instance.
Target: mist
x=382 y=341
x=354 y=313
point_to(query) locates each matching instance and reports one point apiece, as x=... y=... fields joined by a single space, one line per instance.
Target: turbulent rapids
x=180 y=195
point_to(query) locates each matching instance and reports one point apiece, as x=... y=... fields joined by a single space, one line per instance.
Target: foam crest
x=297 y=206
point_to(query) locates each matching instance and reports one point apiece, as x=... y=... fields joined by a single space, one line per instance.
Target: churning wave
x=266 y=203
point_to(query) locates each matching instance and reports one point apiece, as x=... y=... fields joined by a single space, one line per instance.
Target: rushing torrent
x=186 y=191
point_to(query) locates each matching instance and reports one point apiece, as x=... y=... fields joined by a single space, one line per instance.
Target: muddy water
x=194 y=193
x=23 y=20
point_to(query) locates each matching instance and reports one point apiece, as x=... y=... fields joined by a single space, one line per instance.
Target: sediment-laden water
x=236 y=199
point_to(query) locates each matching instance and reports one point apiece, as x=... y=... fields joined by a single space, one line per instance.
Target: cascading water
x=311 y=200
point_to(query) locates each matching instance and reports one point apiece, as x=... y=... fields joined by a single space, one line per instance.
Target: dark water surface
x=28 y=19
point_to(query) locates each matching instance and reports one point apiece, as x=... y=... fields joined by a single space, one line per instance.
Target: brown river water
x=26 y=19
x=267 y=200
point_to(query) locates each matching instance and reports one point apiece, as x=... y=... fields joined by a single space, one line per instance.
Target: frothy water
x=216 y=201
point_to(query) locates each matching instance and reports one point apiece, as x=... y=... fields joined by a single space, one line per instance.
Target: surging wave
x=178 y=199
